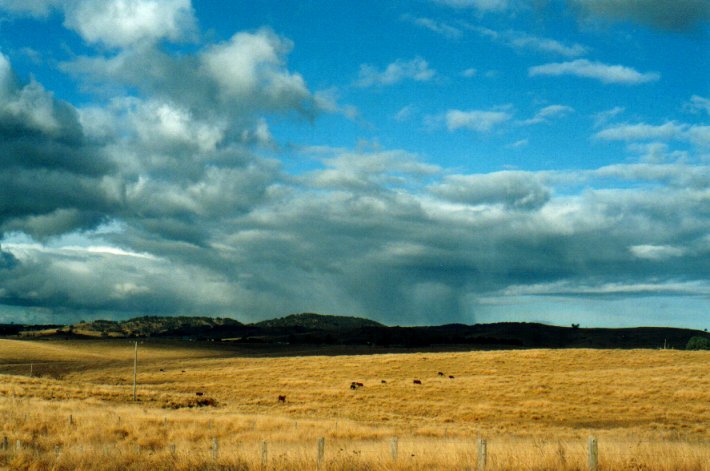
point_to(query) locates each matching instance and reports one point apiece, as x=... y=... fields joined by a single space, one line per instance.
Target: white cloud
x=605 y=73
x=526 y=41
x=603 y=117
x=438 y=27
x=470 y=72
x=29 y=104
x=656 y=252
x=368 y=170
x=416 y=69
x=250 y=66
x=700 y=135
x=520 y=40
x=121 y=23
x=116 y=23
x=327 y=100
x=699 y=104
x=513 y=189
x=549 y=112
x=519 y=144
x=405 y=113
x=475 y=120
x=480 y=5
x=642 y=132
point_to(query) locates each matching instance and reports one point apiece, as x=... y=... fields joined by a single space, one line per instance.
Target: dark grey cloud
x=162 y=201
x=399 y=255
x=674 y=15
x=53 y=178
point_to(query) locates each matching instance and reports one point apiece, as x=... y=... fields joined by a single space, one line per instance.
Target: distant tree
x=575 y=326
x=698 y=343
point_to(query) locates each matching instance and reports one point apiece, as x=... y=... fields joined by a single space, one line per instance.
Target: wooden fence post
x=593 y=461
x=482 y=454
x=5 y=443
x=264 y=454
x=321 y=451
x=394 y=445
x=135 y=369
x=215 y=448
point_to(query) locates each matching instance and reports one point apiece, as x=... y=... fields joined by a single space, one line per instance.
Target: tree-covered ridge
x=318 y=321
x=155 y=325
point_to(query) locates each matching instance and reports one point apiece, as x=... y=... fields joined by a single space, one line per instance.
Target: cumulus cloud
x=54 y=179
x=177 y=208
x=676 y=15
x=641 y=131
x=522 y=190
x=481 y=121
x=253 y=63
x=697 y=134
x=116 y=23
x=121 y=23
x=239 y=78
x=416 y=69
x=616 y=74
x=64 y=279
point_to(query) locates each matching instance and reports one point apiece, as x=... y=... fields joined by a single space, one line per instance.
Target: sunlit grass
x=536 y=408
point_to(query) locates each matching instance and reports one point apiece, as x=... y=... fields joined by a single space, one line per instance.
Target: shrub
x=698 y=343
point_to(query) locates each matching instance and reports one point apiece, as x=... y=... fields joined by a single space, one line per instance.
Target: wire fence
x=391 y=453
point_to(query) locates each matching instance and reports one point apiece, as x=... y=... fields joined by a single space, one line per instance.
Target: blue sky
x=415 y=162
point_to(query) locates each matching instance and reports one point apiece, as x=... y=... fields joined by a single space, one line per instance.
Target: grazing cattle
x=282 y=399
x=416 y=381
x=162 y=369
x=199 y=393
x=441 y=374
x=451 y=377
x=356 y=385
x=384 y=382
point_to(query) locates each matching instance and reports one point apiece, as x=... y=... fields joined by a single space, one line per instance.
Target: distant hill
x=151 y=326
x=318 y=329
x=311 y=321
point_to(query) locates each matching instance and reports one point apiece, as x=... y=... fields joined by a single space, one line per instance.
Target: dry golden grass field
x=649 y=409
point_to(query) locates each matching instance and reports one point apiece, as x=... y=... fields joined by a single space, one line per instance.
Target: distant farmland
x=536 y=408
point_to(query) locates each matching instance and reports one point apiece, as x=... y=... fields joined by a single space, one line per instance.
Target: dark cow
x=451 y=377
x=282 y=399
x=440 y=373
x=384 y=382
x=356 y=385
x=416 y=381
x=199 y=393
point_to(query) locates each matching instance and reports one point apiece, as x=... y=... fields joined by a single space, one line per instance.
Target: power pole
x=135 y=369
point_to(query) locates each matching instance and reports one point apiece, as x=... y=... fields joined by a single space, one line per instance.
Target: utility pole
x=135 y=369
